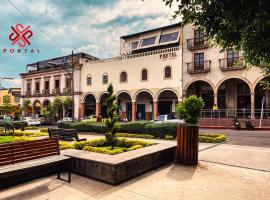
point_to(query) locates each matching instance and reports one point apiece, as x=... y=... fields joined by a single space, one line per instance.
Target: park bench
x=64 y=134
x=22 y=161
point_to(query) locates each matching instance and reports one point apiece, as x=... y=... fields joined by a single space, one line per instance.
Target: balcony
x=67 y=91
x=231 y=64
x=56 y=91
x=197 y=43
x=46 y=92
x=36 y=93
x=28 y=93
x=198 y=67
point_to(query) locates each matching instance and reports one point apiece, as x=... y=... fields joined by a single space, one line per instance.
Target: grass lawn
x=6 y=139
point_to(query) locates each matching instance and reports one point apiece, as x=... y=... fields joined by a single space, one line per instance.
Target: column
x=133 y=111
x=215 y=99
x=252 y=105
x=98 y=109
x=82 y=110
x=267 y=100
x=155 y=109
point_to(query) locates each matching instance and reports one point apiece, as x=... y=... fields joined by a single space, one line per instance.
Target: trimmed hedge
x=16 y=124
x=132 y=135
x=133 y=127
x=207 y=138
x=85 y=126
x=159 y=130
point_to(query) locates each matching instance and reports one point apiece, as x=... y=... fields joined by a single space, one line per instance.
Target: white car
x=65 y=119
x=167 y=119
x=31 y=121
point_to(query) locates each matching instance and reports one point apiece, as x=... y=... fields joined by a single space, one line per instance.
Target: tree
x=7 y=107
x=240 y=24
x=57 y=105
x=25 y=105
x=67 y=102
x=112 y=117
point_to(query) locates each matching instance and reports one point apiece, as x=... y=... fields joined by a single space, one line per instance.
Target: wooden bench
x=23 y=161
x=64 y=134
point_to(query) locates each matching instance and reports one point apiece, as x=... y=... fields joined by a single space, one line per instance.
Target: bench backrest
x=12 y=153
x=63 y=134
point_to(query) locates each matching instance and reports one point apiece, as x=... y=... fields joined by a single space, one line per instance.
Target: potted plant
x=188 y=133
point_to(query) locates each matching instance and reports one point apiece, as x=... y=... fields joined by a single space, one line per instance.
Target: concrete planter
x=187 y=144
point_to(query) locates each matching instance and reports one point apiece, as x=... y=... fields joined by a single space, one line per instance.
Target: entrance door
x=141 y=111
x=128 y=111
x=104 y=111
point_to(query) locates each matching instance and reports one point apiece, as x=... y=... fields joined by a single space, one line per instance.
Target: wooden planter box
x=187 y=144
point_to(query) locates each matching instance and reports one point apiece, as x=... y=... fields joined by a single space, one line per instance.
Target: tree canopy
x=241 y=24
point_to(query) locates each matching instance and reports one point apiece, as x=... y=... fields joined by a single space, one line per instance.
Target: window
x=57 y=84
x=144 y=75
x=167 y=72
x=105 y=78
x=198 y=37
x=28 y=86
x=37 y=86
x=89 y=80
x=133 y=45
x=68 y=83
x=123 y=77
x=148 y=41
x=169 y=37
x=16 y=99
x=47 y=85
x=232 y=56
x=198 y=61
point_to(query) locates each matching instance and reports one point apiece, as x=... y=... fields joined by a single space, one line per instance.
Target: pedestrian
x=215 y=110
x=139 y=115
x=8 y=123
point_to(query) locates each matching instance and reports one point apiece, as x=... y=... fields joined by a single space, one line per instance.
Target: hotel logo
x=20 y=35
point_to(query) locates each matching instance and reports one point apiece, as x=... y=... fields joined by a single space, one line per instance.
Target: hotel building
x=155 y=70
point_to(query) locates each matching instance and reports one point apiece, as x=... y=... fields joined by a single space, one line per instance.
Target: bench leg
x=68 y=171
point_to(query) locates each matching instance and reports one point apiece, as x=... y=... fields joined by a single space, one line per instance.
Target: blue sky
x=58 y=26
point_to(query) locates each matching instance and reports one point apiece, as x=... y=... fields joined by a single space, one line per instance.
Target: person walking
x=8 y=124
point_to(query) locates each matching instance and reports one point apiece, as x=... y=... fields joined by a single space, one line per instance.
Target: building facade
x=156 y=69
x=13 y=94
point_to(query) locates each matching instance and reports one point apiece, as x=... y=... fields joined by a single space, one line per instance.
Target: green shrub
x=18 y=124
x=123 y=142
x=104 y=150
x=85 y=126
x=65 y=145
x=159 y=130
x=132 y=135
x=44 y=130
x=31 y=128
x=133 y=127
x=169 y=137
x=95 y=143
x=23 y=139
x=17 y=133
x=134 y=147
x=212 y=138
x=189 y=109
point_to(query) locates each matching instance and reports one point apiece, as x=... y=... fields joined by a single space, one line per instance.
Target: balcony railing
x=67 y=90
x=197 y=43
x=231 y=64
x=198 y=67
x=46 y=92
x=36 y=93
x=56 y=91
x=28 y=93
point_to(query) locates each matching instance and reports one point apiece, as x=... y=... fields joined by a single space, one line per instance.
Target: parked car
x=31 y=121
x=65 y=119
x=167 y=119
x=41 y=118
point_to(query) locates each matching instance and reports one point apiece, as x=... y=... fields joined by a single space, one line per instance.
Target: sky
x=60 y=26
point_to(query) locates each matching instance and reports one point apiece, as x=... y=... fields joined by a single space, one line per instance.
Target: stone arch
x=143 y=90
x=195 y=80
x=167 y=89
x=44 y=101
x=257 y=81
x=86 y=94
x=100 y=95
x=234 y=77
x=124 y=100
x=124 y=91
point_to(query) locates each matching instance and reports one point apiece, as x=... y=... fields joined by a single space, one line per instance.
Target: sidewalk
x=224 y=172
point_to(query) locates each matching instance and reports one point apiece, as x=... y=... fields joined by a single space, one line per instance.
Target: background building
x=13 y=94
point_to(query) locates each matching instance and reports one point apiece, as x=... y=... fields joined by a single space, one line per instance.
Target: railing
x=56 y=91
x=234 y=113
x=231 y=64
x=46 y=92
x=28 y=93
x=67 y=90
x=197 y=43
x=149 y=53
x=198 y=67
x=36 y=93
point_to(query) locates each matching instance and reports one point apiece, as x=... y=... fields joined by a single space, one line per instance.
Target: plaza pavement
x=225 y=171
